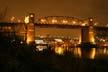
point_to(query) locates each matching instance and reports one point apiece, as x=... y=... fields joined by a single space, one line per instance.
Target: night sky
x=76 y=8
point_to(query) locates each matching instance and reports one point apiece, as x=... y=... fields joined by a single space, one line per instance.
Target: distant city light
x=39 y=42
x=58 y=40
x=12 y=18
x=59 y=50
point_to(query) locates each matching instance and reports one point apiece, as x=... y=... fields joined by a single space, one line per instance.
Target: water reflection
x=92 y=53
x=89 y=53
x=84 y=53
x=102 y=52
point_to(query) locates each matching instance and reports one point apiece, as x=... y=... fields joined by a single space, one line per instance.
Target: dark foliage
x=20 y=57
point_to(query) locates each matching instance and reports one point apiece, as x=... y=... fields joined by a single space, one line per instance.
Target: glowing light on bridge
x=26 y=20
x=83 y=24
x=43 y=20
x=54 y=21
x=31 y=15
x=65 y=21
x=95 y=24
x=74 y=22
x=12 y=18
x=29 y=39
x=91 y=19
x=59 y=20
x=91 y=34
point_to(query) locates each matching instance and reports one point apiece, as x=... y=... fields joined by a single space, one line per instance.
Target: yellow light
x=91 y=19
x=79 y=39
x=105 y=50
x=12 y=18
x=74 y=22
x=91 y=37
x=54 y=21
x=26 y=20
x=83 y=24
x=43 y=20
x=92 y=54
x=31 y=15
x=95 y=24
x=29 y=39
x=79 y=52
x=59 y=50
x=59 y=40
x=65 y=21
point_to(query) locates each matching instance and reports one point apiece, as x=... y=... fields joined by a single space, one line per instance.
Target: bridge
x=62 y=20
x=86 y=27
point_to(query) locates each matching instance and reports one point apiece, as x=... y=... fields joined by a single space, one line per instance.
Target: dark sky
x=75 y=8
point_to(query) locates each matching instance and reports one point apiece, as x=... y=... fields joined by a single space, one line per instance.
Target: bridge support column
x=91 y=31
x=87 y=33
x=84 y=34
x=31 y=29
x=87 y=46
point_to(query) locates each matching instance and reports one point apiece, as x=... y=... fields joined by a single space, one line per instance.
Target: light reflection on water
x=92 y=53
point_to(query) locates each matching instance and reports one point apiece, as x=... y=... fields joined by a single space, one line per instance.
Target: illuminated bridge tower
x=31 y=28
x=91 y=31
x=87 y=32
